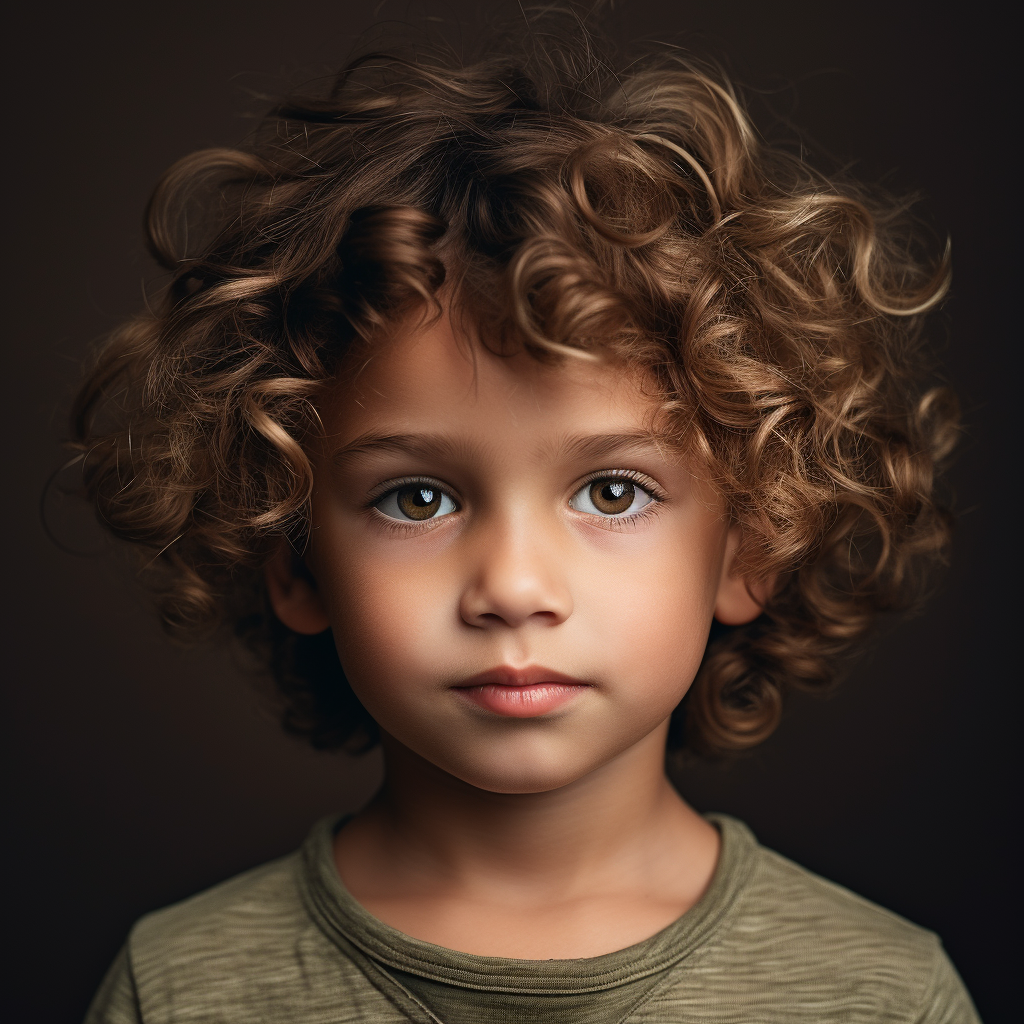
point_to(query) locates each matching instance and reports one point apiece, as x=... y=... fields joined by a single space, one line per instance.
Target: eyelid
x=625 y=520
x=400 y=525
x=649 y=484
x=385 y=488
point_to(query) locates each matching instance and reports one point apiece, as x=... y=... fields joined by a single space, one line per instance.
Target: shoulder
x=247 y=912
x=783 y=896
x=186 y=959
x=246 y=950
x=242 y=944
x=812 y=942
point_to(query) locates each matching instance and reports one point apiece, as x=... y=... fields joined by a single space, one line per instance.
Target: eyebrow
x=417 y=445
x=575 y=447
x=584 y=447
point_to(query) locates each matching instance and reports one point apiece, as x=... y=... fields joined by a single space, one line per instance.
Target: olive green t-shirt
x=768 y=943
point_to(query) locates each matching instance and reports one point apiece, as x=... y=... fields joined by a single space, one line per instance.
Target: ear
x=295 y=599
x=738 y=601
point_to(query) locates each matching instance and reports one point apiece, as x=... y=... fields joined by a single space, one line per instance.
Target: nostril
x=511 y=590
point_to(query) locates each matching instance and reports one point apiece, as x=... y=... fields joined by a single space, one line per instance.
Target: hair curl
x=567 y=207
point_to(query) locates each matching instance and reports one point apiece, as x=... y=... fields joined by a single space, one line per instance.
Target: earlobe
x=738 y=601
x=295 y=600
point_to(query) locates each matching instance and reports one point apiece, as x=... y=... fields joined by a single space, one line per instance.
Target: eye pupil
x=419 y=502
x=611 y=496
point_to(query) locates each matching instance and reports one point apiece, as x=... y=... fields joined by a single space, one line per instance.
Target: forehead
x=436 y=375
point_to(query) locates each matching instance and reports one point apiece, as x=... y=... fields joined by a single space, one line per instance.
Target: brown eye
x=611 y=496
x=416 y=503
x=419 y=502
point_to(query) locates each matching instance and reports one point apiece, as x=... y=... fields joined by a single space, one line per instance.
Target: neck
x=428 y=830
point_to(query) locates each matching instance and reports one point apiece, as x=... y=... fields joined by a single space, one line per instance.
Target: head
x=562 y=253
x=481 y=518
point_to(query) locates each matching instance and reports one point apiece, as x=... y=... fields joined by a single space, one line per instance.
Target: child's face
x=478 y=514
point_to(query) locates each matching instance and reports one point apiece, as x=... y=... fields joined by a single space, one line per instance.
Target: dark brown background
x=143 y=772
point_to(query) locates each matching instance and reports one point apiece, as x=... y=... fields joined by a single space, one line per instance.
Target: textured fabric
x=769 y=943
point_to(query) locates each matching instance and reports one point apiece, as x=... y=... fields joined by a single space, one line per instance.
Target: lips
x=521 y=692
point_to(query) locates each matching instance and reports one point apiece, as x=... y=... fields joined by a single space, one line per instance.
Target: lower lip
x=522 y=701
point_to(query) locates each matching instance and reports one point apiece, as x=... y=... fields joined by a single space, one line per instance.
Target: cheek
x=388 y=614
x=659 y=610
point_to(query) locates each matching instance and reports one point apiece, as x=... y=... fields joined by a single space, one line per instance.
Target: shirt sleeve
x=946 y=1000
x=116 y=1002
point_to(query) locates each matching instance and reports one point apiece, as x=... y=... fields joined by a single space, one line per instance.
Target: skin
x=554 y=836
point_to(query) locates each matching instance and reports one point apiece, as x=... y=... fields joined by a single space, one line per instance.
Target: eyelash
x=630 y=522
x=652 y=508
x=400 y=525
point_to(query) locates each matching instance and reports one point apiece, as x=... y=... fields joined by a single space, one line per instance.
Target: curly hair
x=567 y=207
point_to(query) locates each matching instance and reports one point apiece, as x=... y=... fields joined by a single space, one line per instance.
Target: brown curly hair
x=567 y=207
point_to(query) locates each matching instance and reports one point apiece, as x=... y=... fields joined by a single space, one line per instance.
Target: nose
x=516 y=577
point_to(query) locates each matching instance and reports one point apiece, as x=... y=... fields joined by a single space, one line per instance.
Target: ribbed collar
x=347 y=923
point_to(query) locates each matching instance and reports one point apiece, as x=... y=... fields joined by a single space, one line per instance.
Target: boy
x=476 y=395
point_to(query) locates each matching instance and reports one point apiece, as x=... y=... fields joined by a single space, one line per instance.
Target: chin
x=521 y=783
x=519 y=771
